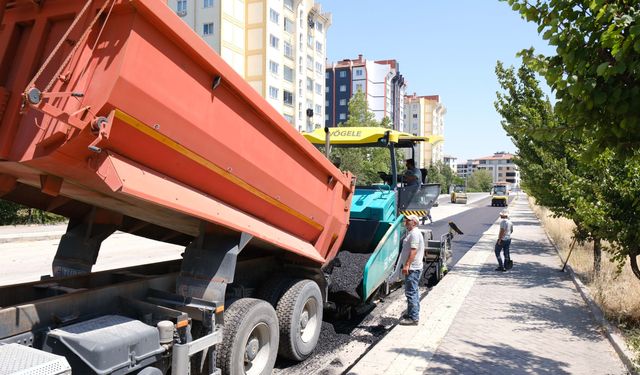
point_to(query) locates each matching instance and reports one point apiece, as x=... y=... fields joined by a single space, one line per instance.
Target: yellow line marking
x=140 y=126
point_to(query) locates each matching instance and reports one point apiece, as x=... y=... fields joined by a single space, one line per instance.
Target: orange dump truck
x=115 y=114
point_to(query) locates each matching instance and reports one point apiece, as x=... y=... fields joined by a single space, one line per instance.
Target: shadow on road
x=489 y=359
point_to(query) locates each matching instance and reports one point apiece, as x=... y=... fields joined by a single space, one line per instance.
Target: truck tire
x=274 y=288
x=300 y=316
x=250 y=338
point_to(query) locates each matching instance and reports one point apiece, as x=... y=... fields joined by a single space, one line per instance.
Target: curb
x=26 y=239
x=611 y=332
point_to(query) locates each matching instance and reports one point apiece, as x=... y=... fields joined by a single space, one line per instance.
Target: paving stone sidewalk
x=479 y=321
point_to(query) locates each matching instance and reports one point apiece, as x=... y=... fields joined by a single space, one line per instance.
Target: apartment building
x=465 y=170
x=381 y=82
x=450 y=161
x=500 y=165
x=278 y=46
x=424 y=116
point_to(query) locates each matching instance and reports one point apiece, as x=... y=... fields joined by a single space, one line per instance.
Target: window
x=343 y=88
x=358 y=72
x=273 y=92
x=343 y=74
x=318 y=109
x=359 y=87
x=274 y=16
x=319 y=67
x=326 y=103
x=288 y=4
x=288 y=73
x=318 y=46
x=288 y=25
x=319 y=26
x=274 y=41
x=326 y=89
x=288 y=50
x=182 y=6
x=288 y=98
x=415 y=115
x=327 y=75
x=273 y=67
x=208 y=3
x=343 y=101
x=207 y=28
x=343 y=116
x=310 y=40
x=309 y=62
x=289 y=118
x=309 y=84
x=318 y=88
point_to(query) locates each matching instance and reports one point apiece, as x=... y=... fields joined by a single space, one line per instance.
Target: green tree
x=364 y=163
x=480 y=180
x=595 y=71
x=442 y=174
x=8 y=212
x=599 y=194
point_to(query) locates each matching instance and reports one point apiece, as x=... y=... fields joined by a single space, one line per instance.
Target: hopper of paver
x=116 y=114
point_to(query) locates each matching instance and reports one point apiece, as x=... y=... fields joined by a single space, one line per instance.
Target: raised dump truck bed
x=119 y=105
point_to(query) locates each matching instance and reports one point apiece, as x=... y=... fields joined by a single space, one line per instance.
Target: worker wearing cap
x=504 y=241
x=413 y=252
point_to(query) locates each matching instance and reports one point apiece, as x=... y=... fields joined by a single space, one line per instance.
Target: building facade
x=424 y=116
x=500 y=165
x=381 y=82
x=465 y=170
x=450 y=161
x=278 y=46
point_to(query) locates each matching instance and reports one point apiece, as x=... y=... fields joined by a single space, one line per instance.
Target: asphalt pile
x=346 y=276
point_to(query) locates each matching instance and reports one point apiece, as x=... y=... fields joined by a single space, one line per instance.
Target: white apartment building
x=500 y=165
x=465 y=170
x=450 y=161
x=278 y=46
x=379 y=80
x=424 y=116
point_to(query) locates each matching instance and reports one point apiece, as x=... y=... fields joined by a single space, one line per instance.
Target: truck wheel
x=273 y=289
x=250 y=338
x=300 y=315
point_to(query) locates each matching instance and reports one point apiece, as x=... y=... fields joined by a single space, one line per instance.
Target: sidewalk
x=14 y=233
x=479 y=321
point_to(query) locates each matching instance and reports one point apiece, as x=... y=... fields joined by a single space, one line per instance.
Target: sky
x=443 y=47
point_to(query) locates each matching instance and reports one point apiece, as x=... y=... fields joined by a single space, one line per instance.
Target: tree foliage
x=599 y=194
x=364 y=163
x=596 y=71
x=442 y=174
x=13 y=213
x=480 y=180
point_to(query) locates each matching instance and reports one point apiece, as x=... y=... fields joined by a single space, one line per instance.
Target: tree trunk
x=597 y=255
x=634 y=263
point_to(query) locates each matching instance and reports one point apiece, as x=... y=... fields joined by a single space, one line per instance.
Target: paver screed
x=530 y=319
